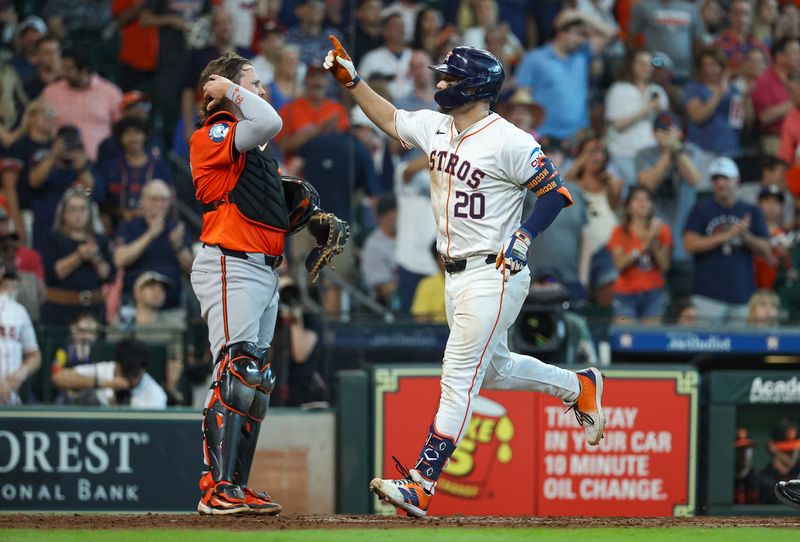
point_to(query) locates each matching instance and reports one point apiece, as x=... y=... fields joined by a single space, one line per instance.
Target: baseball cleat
x=224 y=498
x=407 y=494
x=788 y=492
x=588 y=406
x=259 y=502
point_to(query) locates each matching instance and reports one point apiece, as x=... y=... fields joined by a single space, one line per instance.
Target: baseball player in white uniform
x=20 y=357
x=480 y=167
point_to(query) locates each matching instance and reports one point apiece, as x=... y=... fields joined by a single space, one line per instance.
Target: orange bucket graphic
x=486 y=441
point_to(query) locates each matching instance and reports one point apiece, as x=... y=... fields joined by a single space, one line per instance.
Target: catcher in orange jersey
x=248 y=211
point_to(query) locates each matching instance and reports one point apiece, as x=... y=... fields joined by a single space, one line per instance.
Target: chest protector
x=259 y=191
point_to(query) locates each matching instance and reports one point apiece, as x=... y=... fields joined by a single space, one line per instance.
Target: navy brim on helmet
x=480 y=75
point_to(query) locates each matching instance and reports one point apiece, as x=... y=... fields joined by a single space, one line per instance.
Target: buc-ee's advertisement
x=523 y=454
x=103 y=461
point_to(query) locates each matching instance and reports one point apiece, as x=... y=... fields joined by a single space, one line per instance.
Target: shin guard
x=255 y=415
x=236 y=378
x=434 y=457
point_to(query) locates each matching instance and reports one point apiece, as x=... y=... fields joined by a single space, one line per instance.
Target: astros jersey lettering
x=478 y=178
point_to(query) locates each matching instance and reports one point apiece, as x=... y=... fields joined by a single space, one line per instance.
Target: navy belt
x=457 y=266
x=269 y=260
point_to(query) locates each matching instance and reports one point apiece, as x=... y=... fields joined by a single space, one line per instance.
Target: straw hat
x=522 y=97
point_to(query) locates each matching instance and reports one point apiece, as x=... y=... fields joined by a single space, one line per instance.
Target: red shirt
x=216 y=167
x=644 y=275
x=769 y=90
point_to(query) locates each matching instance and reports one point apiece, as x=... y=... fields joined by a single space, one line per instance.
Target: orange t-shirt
x=216 y=167
x=299 y=114
x=645 y=275
x=138 y=44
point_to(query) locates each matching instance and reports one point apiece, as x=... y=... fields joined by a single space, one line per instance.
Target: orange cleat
x=221 y=499
x=259 y=502
x=407 y=494
x=589 y=406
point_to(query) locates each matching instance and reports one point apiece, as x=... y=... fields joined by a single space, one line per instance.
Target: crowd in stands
x=675 y=124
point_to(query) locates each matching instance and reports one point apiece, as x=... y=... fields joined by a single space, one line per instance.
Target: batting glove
x=339 y=63
x=515 y=257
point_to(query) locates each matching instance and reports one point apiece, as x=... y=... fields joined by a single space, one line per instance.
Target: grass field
x=674 y=534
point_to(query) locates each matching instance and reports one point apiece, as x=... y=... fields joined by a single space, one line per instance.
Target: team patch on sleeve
x=218 y=131
x=545 y=176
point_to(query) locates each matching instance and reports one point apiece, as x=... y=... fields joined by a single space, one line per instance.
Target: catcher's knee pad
x=231 y=398
x=240 y=377
x=261 y=400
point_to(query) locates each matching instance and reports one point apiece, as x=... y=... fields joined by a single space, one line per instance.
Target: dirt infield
x=288 y=522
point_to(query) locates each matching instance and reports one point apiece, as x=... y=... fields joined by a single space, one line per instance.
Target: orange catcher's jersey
x=216 y=168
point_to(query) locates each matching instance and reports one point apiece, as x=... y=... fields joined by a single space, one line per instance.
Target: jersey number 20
x=469 y=205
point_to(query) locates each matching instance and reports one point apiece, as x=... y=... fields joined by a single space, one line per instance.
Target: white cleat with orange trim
x=588 y=406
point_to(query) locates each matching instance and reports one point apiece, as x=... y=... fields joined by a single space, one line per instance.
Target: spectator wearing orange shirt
x=310 y=115
x=789 y=149
x=771 y=200
x=641 y=248
x=138 y=50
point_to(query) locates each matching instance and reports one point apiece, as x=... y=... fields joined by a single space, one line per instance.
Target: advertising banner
x=99 y=460
x=522 y=454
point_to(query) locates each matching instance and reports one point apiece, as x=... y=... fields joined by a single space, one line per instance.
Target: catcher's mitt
x=331 y=234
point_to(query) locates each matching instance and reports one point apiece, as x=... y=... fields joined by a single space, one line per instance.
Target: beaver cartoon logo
x=486 y=441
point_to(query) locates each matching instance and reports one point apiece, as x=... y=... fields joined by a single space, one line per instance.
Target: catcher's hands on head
x=514 y=258
x=339 y=63
x=215 y=88
x=331 y=234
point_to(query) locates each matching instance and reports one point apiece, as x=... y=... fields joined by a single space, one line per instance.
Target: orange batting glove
x=339 y=63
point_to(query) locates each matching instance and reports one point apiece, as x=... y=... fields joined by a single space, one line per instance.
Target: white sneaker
x=588 y=406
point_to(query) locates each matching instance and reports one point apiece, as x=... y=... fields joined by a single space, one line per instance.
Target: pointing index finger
x=336 y=44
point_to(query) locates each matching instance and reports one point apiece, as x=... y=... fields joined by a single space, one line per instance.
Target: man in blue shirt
x=723 y=232
x=154 y=242
x=557 y=74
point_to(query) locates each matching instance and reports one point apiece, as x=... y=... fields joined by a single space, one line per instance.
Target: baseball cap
x=742 y=439
x=134 y=98
x=32 y=22
x=359 y=118
x=665 y=120
x=772 y=190
x=148 y=277
x=785 y=436
x=723 y=166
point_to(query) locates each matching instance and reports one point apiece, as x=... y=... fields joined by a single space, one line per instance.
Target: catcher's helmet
x=481 y=75
x=302 y=201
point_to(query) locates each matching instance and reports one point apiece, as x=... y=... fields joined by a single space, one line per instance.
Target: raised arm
x=377 y=109
x=260 y=121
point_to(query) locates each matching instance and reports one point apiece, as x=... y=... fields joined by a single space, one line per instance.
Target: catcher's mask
x=302 y=201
